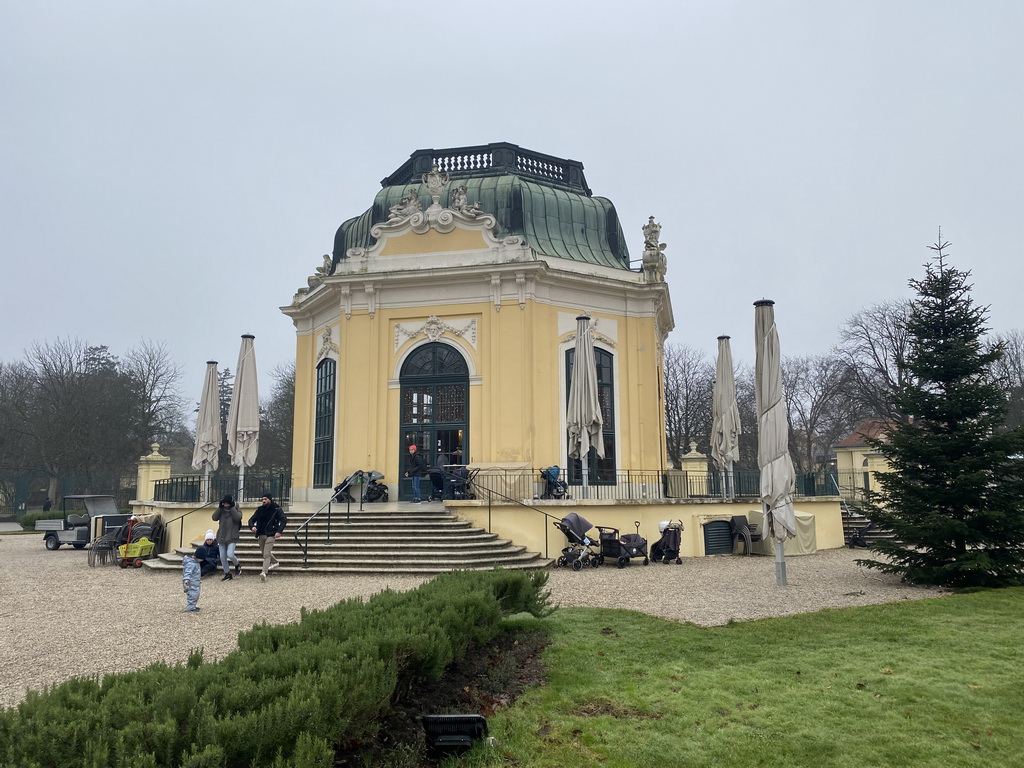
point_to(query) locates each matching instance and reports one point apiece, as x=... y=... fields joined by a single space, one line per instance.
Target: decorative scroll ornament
x=327 y=345
x=434 y=328
x=407 y=215
x=654 y=264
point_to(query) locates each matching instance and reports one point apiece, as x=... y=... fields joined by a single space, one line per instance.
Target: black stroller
x=375 y=490
x=554 y=486
x=580 y=550
x=436 y=475
x=459 y=482
x=623 y=549
x=342 y=489
x=666 y=549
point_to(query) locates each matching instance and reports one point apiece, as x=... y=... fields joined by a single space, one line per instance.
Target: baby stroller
x=554 y=486
x=580 y=550
x=623 y=549
x=460 y=482
x=666 y=549
x=341 y=490
x=375 y=490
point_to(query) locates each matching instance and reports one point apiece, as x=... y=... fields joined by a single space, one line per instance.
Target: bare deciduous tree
x=689 y=379
x=1009 y=372
x=875 y=344
x=821 y=411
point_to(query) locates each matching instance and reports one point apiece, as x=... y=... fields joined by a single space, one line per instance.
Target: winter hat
x=209 y=534
x=227 y=500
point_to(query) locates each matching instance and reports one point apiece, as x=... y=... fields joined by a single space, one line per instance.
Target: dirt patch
x=490 y=677
x=606 y=707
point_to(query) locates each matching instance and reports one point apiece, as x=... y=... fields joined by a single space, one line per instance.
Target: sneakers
x=263 y=576
x=227 y=577
x=416 y=501
x=192 y=610
x=238 y=568
x=273 y=565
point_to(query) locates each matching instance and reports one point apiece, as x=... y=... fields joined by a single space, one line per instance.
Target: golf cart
x=76 y=528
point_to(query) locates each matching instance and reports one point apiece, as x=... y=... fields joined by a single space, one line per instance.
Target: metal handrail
x=304 y=527
x=491 y=493
x=181 y=528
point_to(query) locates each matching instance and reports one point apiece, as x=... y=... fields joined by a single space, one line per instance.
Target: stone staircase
x=421 y=539
x=854 y=521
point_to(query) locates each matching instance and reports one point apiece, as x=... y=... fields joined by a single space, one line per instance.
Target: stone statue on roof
x=407 y=206
x=436 y=182
x=461 y=204
x=652 y=233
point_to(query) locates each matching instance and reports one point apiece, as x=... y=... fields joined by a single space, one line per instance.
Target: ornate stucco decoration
x=434 y=328
x=654 y=263
x=346 y=301
x=372 y=291
x=327 y=345
x=496 y=292
x=408 y=216
x=598 y=336
x=521 y=289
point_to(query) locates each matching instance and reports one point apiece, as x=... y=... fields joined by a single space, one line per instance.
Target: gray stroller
x=580 y=552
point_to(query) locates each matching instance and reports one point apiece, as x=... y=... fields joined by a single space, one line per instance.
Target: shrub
x=284 y=698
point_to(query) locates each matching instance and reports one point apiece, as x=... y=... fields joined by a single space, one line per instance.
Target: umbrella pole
x=584 y=473
x=241 y=483
x=731 y=483
x=206 y=484
x=725 y=489
x=780 y=553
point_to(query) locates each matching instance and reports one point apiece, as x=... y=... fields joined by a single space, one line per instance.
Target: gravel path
x=60 y=618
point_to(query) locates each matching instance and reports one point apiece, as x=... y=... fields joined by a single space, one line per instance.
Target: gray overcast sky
x=173 y=170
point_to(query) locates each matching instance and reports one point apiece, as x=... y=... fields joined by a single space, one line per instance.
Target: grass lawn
x=921 y=683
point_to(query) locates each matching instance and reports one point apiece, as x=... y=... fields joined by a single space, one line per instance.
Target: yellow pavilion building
x=446 y=318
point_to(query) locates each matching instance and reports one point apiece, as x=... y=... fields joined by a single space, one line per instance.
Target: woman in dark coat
x=229 y=524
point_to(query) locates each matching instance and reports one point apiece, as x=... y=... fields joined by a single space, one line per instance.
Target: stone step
x=393 y=564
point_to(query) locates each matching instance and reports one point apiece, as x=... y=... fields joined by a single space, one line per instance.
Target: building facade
x=446 y=318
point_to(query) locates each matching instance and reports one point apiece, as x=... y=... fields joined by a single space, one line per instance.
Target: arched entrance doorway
x=435 y=409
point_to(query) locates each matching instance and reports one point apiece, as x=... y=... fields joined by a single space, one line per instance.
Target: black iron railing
x=188 y=489
x=491 y=160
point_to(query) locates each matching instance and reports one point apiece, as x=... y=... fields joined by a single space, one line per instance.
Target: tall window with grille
x=435 y=407
x=601 y=471
x=323 y=427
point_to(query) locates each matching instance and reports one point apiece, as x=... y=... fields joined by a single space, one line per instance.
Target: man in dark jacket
x=416 y=468
x=267 y=522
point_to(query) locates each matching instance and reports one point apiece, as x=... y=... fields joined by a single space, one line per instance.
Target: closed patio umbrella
x=777 y=476
x=209 y=436
x=583 y=416
x=725 y=431
x=244 y=414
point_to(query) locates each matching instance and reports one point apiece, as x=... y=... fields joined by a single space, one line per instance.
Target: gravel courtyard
x=60 y=618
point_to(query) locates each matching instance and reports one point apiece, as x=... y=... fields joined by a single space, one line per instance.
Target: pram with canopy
x=375 y=489
x=580 y=551
x=459 y=481
x=623 y=548
x=666 y=549
x=342 y=491
x=554 y=486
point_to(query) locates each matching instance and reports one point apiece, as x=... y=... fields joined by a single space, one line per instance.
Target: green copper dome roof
x=541 y=198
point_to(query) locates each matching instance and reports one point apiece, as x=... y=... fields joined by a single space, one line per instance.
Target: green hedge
x=284 y=698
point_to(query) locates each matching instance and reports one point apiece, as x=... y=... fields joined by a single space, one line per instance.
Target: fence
x=188 y=489
x=631 y=485
x=25 y=491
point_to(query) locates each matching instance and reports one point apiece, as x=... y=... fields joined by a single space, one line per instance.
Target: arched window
x=601 y=471
x=323 y=424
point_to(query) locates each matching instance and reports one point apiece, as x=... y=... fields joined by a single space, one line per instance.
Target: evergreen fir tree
x=955 y=496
